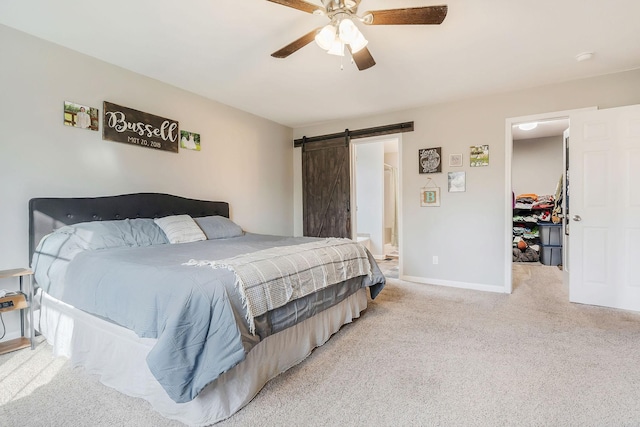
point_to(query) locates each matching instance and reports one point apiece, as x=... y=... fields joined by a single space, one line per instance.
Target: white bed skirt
x=118 y=356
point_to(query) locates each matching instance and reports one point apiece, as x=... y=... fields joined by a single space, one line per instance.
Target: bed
x=184 y=324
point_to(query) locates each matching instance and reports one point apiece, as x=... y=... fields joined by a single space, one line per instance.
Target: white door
x=604 y=208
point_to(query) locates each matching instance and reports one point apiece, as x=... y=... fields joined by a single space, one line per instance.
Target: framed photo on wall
x=189 y=140
x=80 y=116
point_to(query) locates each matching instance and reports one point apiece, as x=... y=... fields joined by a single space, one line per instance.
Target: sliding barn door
x=326 y=188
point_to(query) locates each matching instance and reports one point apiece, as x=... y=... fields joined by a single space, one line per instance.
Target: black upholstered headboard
x=46 y=214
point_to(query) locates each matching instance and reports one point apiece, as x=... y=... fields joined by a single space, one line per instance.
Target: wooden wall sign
x=122 y=124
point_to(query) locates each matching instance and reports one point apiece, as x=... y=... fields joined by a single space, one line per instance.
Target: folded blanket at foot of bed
x=270 y=278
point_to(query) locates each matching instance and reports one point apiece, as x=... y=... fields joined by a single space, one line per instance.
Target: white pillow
x=180 y=229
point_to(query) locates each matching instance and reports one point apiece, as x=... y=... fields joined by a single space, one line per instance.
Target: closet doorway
x=537 y=179
x=541 y=154
x=376 y=197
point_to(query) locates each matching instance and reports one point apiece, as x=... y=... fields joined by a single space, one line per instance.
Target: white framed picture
x=457 y=182
x=455 y=160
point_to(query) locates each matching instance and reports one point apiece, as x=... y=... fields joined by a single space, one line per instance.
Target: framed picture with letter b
x=429 y=196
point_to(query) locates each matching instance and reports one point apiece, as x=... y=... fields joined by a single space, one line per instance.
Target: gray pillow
x=219 y=227
x=54 y=252
x=111 y=234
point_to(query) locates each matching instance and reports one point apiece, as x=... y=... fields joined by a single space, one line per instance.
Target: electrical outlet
x=435 y=259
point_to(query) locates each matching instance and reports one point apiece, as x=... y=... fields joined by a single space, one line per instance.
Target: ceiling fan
x=342 y=32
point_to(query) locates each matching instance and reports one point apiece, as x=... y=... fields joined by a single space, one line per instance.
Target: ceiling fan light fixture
x=348 y=31
x=351 y=35
x=326 y=37
x=337 y=48
x=358 y=44
x=344 y=27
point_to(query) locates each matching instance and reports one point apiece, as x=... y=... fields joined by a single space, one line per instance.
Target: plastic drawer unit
x=551 y=255
x=550 y=234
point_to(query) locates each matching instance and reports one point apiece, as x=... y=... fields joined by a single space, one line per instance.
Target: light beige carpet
x=420 y=356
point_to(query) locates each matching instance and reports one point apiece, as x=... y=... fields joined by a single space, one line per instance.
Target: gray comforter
x=195 y=313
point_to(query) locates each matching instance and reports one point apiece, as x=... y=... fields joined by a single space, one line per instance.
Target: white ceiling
x=221 y=49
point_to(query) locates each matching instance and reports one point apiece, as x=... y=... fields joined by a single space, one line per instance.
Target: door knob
x=577 y=218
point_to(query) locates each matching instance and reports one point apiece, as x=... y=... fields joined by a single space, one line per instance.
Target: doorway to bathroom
x=376 y=196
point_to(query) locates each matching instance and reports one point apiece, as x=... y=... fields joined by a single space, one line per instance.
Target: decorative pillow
x=219 y=227
x=180 y=229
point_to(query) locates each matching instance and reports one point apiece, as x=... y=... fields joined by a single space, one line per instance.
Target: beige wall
x=245 y=160
x=467 y=232
x=537 y=165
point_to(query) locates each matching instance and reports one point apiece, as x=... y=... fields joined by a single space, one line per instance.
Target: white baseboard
x=454 y=284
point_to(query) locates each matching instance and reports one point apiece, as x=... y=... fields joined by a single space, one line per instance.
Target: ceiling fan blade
x=362 y=58
x=300 y=5
x=296 y=45
x=429 y=15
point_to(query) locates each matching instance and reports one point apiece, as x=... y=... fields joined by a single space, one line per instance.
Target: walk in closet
x=538 y=190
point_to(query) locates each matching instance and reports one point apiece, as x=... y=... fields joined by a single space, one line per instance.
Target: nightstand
x=18 y=301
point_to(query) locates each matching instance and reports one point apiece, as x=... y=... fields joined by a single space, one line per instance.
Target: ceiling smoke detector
x=584 y=56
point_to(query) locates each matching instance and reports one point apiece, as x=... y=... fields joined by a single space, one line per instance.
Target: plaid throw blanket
x=270 y=278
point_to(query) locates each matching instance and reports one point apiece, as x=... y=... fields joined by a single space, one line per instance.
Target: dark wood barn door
x=326 y=188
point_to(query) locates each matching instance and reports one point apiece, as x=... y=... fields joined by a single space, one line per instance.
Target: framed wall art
x=189 y=140
x=80 y=116
x=479 y=155
x=456 y=182
x=429 y=160
x=123 y=124
x=455 y=160
x=430 y=195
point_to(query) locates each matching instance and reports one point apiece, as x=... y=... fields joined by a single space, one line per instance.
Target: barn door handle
x=577 y=218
